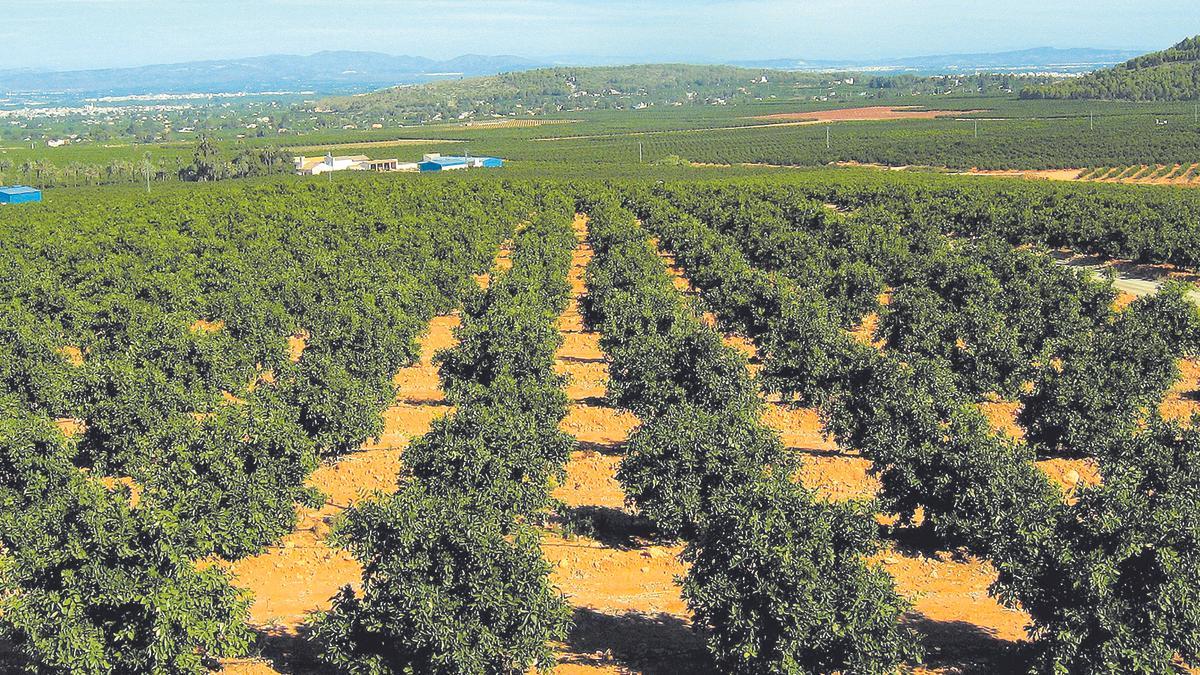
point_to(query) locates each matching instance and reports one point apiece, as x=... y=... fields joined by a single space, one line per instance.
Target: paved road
x=1134 y=285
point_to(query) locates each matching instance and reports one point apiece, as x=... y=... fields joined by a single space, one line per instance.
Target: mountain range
x=323 y=72
x=1037 y=60
x=335 y=72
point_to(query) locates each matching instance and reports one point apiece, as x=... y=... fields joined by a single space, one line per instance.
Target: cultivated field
x=849 y=418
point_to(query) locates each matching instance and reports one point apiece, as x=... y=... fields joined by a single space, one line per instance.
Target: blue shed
x=439 y=163
x=19 y=194
x=444 y=164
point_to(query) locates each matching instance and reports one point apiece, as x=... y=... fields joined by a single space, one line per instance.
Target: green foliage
x=1111 y=584
x=502 y=448
x=680 y=466
x=31 y=365
x=453 y=577
x=777 y=582
x=339 y=411
x=1109 y=379
x=91 y=585
x=779 y=585
x=444 y=591
x=231 y=479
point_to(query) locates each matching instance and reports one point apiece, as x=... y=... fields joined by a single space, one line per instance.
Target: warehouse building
x=436 y=162
x=19 y=194
x=315 y=166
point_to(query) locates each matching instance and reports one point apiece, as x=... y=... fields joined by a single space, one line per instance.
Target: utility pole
x=976 y=128
x=1091 y=121
x=641 y=154
x=828 y=139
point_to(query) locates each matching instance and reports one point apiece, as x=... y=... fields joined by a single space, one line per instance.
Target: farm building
x=19 y=194
x=315 y=166
x=440 y=163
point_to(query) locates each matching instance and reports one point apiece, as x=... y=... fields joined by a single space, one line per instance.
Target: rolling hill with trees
x=1169 y=75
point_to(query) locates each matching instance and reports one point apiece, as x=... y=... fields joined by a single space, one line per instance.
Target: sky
x=74 y=34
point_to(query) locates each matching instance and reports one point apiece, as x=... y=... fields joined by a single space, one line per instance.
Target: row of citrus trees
x=1007 y=323
x=161 y=327
x=1108 y=575
x=453 y=579
x=1141 y=223
x=778 y=579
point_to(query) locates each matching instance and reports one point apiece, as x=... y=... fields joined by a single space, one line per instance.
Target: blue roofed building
x=440 y=163
x=19 y=194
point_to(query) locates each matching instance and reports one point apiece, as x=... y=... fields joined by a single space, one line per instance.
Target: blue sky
x=100 y=33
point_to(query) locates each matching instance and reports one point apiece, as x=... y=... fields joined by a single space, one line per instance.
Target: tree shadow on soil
x=918 y=540
x=652 y=644
x=612 y=527
x=422 y=402
x=606 y=449
x=963 y=647
x=581 y=359
x=290 y=653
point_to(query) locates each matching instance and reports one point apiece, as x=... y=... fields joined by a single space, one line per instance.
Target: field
x=947 y=133
x=637 y=419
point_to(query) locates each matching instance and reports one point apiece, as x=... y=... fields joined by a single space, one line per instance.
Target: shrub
x=502 y=448
x=339 y=411
x=679 y=466
x=652 y=373
x=1113 y=585
x=778 y=584
x=444 y=591
x=231 y=479
x=1110 y=379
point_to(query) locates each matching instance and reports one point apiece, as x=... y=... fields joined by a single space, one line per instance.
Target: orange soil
x=206 y=326
x=73 y=355
x=1183 y=401
x=1139 y=177
x=872 y=113
x=296 y=345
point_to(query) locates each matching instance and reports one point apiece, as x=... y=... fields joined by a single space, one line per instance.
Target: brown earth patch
x=871 y=113
x=1183 y=400
x=73 y=355
x=1137 y=175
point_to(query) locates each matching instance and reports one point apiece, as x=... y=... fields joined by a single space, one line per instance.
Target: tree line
x=1101 y=570
x=160 y=326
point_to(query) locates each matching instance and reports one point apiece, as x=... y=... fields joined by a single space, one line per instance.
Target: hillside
x=1169 y=75
x=568 y=89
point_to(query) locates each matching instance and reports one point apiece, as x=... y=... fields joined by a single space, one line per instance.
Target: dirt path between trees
x=629 y=616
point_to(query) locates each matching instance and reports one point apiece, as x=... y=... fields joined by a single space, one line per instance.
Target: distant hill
x=1037 y=60
x=567 y=89
x=326 y=72
x=1170 y=75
